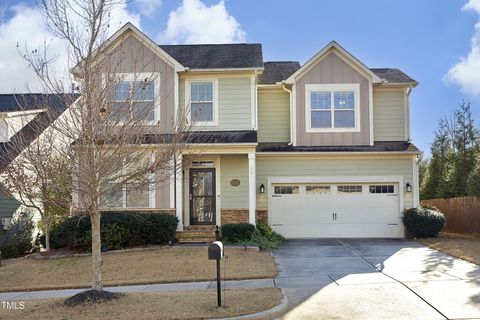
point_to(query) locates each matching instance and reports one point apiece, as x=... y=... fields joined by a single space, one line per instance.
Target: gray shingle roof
x=55 y=105
x=217 y=56
x=276 y=71
x=33 y=101
x=392 y=75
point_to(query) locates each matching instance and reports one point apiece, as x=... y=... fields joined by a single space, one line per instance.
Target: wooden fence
x=462 y=214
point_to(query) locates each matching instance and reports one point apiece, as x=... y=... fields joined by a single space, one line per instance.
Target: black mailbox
x=215 y=251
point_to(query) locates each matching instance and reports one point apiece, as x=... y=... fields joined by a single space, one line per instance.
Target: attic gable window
x=332 y=107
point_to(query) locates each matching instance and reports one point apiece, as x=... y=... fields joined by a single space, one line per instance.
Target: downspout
x=291 y=112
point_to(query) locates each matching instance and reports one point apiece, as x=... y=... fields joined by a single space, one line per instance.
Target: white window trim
x=142 y=75
x=152 y=193
x=215 y=100
x=309 y=88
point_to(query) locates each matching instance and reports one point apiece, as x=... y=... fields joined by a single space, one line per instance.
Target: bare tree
x=31 y=176
x=111 y=135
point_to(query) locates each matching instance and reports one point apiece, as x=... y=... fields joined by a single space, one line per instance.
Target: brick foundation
x=234 y=216
x=262 y=216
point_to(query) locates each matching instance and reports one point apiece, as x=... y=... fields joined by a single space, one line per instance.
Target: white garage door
x=335 y=210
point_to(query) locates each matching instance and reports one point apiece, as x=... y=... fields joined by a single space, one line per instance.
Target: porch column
x=252 y=189
x=179 y=192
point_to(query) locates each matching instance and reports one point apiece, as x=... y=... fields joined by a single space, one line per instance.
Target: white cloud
x=466 y=72
x=148 y=8
x=195 y=22
x=26 y=27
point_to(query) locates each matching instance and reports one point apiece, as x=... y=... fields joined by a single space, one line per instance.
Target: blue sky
x=424 y=38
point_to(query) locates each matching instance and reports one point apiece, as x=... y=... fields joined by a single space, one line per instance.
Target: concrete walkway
x=184 y=286
x=375 y=279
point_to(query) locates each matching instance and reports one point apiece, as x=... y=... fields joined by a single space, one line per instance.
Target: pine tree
x=437 y=184
x=465 y=144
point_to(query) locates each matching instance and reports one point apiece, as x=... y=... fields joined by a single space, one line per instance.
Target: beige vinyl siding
x=311 y=167
x=234 y=167
x=273 y=115
x=332 y=70
x=234 y=103
x=389 y=115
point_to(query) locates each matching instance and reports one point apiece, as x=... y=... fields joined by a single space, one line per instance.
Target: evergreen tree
x=437 y=184
x=465 y=146
x=422 y=172
x=473 y=183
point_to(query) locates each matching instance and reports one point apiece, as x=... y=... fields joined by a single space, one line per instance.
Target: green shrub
x=237 y=232
x=118 y=230
x=246 y=234
x=18 y=239
x=265 y=229
x=423 y=222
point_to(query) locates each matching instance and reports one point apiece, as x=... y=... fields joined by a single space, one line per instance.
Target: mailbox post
x=215 y=252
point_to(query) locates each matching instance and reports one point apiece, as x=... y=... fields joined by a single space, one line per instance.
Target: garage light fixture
x=409 y=187
x=262 y=189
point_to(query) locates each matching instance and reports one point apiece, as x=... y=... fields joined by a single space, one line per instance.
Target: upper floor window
x=332 y=107
x=136 y=98
x=202 y=95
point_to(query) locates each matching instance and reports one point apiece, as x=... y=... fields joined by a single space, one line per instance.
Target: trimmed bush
x=423 y=222
x=246 y=234
x=237 y=232
x=119 y=230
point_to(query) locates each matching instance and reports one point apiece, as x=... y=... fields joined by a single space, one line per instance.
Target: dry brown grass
x=463 y=247
x=159 y=305
x=167 y=264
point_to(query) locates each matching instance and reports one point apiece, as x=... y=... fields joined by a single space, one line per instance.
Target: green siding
x=308 y=167
x=273 y=116
x=234 y=167
x=234 y=103
x=389 y=116
x=7 y=205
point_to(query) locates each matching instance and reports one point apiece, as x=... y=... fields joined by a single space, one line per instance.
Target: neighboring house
x=315 y=150
x=18 y=113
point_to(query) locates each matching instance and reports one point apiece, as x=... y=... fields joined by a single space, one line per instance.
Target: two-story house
x=315 y=150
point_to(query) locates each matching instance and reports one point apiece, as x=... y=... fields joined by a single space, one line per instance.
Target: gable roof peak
x=344 y=55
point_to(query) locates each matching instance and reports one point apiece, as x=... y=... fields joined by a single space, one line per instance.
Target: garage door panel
x=336 y=210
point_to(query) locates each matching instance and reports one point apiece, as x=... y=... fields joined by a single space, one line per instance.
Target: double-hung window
x=135 y=98
x=135 y=193
x=203 y=102
x=332 y=107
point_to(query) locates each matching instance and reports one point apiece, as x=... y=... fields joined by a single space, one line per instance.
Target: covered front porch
x=212 y=187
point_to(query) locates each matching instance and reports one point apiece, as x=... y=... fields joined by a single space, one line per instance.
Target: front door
x=202 y=196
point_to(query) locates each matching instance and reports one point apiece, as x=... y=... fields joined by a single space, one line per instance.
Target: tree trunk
x=97 y=262
x=46 y=230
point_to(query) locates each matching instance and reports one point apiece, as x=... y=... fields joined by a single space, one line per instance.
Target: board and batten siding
x=332 y=70
x=234 y=103
x=316 y=167
x=134 y=57
x=273 y=115
x=234 y=167
x=389 y=115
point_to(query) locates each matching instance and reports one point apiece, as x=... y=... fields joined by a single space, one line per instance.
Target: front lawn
x=164 y=265
x=199 y=304
x=466 y=248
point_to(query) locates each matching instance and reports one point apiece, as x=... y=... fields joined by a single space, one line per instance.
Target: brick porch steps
x=196 y=234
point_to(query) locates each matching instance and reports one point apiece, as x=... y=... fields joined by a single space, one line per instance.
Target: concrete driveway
x=375 y=279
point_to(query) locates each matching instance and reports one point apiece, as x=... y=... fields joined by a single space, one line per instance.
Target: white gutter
x=291 y=112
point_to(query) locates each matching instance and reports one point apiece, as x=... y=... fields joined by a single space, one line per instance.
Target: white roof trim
x=323 y=53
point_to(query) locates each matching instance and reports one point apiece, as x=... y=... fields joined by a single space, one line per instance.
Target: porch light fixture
x=409 y=187
x=262 y=188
